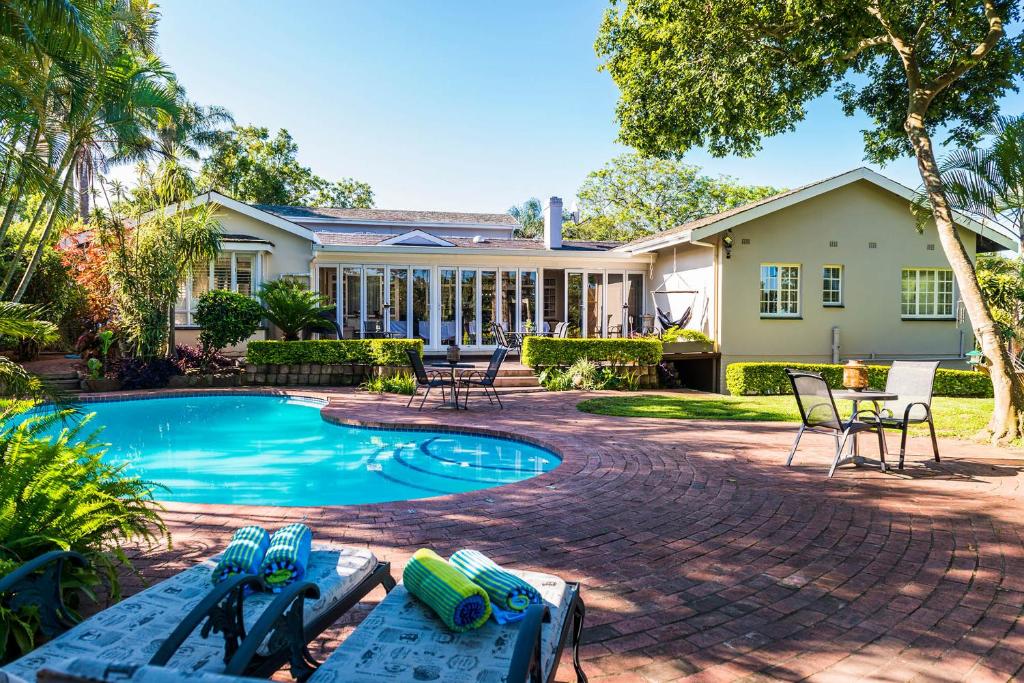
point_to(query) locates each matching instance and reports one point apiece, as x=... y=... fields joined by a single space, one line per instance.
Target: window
x=926 y=293
x=832 y=286
x=780 y=290
x=233 y=271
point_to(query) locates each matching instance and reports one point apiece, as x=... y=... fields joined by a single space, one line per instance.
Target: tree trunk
x=1005 y=424
x=172 y=350
x=30 y=269
x=17 y=188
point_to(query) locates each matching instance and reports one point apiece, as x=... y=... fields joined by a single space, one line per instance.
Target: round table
x=876 y=396
x=453 y=402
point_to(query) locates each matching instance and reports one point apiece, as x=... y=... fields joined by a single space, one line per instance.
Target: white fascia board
x=231 y=245
x=441 y=251
x=244 y=209
x=402 y=224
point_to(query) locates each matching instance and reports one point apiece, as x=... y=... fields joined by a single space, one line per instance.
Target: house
x=825 y=272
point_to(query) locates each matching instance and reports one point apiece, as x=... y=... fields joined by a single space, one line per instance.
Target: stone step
x=63 y=384
x=502 y=382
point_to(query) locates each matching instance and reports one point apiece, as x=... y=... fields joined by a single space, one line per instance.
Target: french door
x=378 y=300
x=603 y=304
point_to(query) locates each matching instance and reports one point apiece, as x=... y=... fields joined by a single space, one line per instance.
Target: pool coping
x=325 y=399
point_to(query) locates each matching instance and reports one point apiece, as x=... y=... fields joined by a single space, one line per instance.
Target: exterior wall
x=291 y=253
x=189 y=336
x=685 y=267
x=869 y=322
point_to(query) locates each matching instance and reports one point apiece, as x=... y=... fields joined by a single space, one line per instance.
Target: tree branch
x=866 y=44
x=959 y=68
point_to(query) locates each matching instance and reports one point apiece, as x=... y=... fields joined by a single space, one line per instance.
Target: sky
x=454 y=105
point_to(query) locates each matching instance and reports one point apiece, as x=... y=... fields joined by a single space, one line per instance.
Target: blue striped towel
x=288 y=556
x=510 y=595
x=244 y=553
x=458 y=602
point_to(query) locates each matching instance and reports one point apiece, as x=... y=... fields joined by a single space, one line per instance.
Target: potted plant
x=95 y=379
x=677 y=340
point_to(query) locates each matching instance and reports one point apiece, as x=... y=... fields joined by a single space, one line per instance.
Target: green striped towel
x=461 y=604
x=510 y=595
x=244 y=553
x=287 y=557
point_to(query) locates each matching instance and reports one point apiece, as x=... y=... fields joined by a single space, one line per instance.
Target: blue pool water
x=265 y=450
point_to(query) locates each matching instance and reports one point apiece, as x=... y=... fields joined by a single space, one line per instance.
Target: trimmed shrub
x=226 y=318
x=546 y=352
x=759 y=379
x=332 y=351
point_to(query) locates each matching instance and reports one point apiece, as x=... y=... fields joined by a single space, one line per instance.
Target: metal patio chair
x=484 y=379
x=513 y=341
x=912 y=381
x=429 y=379
x=818 y=414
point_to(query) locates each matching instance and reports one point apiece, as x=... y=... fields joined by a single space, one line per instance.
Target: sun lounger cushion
x=86 y=670
x=403 y=640
x=132 y=630
x=10 y=678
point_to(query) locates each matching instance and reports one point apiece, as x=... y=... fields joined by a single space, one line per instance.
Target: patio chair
x=512 y=341
x=818 y=414
x=561 y=331
x=484 y=379
x=912 y=381
x=169 y=623
x=430 y=379
x=403 y=640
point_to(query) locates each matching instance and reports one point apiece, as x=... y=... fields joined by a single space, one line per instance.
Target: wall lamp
x=727 y=243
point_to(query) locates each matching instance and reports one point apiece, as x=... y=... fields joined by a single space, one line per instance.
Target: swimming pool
x=273 y=450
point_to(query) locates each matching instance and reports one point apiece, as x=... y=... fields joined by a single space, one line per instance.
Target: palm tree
x=21 y=321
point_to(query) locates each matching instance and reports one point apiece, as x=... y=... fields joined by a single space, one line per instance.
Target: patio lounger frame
x=282 y=624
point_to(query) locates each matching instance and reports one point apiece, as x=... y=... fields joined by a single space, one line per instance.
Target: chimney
x=553 y=224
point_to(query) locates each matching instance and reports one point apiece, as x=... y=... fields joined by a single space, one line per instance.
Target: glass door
x=374 y=313
x=421 y=305
x=398 y=302
x=595 y=305
x=329 y=287
x=449 y=306
x=488 y=305
x=614 y=305
x=574 y=303
x=469 y=315
x=634 y=301
x=352 y=298
x=527 y=301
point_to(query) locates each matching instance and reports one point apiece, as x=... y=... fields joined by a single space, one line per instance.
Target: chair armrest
x=222 y=610
x=437 y=374
x=284 y=624
x=526 y=664
x=875 y=418
x=906 y=412
x=39 y=583
x=470 y=374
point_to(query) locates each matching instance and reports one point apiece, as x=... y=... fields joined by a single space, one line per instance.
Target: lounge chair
x=513 y=341
x=429 y=379
x=401 y=640
x=818 y=414
x=912 y=381
x=168 y=624
x=484 y=380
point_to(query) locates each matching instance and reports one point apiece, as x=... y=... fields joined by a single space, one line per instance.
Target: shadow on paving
x=701 y=554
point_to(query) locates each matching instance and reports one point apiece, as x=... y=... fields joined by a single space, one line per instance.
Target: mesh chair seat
x=913 y=382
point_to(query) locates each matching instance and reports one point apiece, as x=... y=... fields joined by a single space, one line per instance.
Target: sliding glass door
x=421 y=305
x=603 y=304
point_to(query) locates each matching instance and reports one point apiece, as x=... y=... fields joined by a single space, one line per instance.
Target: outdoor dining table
x=453 y=402
x=876 y=397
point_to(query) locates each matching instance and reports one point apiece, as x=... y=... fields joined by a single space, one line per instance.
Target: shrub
x=57 y=493
x=332 y=351
x=540 y=352
x=226 y=318
x=293 y=308
x=404 y=384
x=136 y=373
x=585 y=375
x=193 y=360
x=677 y=334
x=754 y=379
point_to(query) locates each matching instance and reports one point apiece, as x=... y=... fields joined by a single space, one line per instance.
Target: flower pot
x=103 y=384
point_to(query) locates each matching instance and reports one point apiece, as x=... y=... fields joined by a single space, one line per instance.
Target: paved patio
x=702 y=557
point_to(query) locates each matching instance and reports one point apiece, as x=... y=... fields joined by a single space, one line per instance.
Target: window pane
x=374 y=313
x=508 y=300
x=635 y=299
x=831 y=285
x=243 y=274
x=352 y=288
x=528 y=296
x=421 y=304
x=467 y=308
x=448 y=298
x=222 y=272
x=399 y=302
x=595 y=288
x=575 y=297
x=614 y=298
x=180 y=306
x=488 y=303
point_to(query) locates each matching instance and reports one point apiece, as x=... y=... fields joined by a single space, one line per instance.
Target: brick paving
x=702 y=557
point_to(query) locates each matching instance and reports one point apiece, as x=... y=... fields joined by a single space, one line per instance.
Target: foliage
x=143 y=373
x=95 y=367
x=250 y=165
x=192 y=360
x=389 y=352
x=293 y=308
x=57 y=493
x=404 y=383
x=22 y=322
x=678 y=334
x=146 y=254
x=586 y=375
x=530 y=215
x=87 y=264
x=226 y=318
x=541 y=352
x=745 y=379
x=1002 y=284
x=636 y=196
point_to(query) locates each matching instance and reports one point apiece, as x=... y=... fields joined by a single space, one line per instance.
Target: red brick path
x=702 y=557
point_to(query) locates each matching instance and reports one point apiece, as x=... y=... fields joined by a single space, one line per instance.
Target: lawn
x=959 y=418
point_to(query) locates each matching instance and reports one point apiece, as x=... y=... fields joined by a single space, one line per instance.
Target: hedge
x=546 y=352
x=332 y=351
x=755 y=379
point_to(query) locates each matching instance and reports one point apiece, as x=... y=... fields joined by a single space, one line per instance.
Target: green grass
x=960 y=418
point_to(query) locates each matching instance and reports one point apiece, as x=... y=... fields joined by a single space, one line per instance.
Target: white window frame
x=256 y=280
x=839 y=279
x=778 y=290
x=918 y=300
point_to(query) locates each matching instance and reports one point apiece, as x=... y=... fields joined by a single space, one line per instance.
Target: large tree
x=636 y=195
x=723 y=74
x=251 y=165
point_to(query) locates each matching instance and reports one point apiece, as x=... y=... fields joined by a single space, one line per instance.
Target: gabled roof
x=392 y=216
x=211 y=196
x=702 y=228
x=417 y=238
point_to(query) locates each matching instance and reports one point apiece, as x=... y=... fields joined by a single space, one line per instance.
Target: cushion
x=403 y=640
x=87 y=670
x=10 y=678
x=133 y=629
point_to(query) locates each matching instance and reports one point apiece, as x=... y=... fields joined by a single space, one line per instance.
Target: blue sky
x=470 y=106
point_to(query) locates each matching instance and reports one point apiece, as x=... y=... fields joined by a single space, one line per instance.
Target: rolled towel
x=244 y=553
x=287 y=557
x=510 y=595
x=461 y=604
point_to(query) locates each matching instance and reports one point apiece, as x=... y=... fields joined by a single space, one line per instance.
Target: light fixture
x=727 y=243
